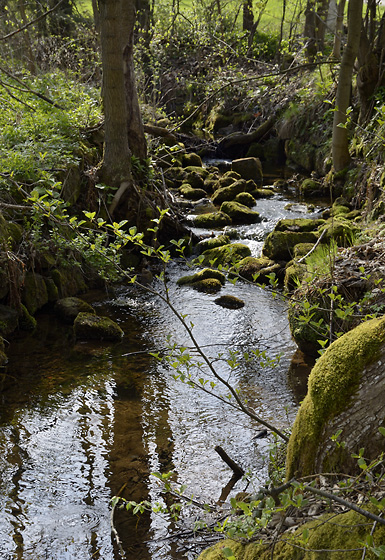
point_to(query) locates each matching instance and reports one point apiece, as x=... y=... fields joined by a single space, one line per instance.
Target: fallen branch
x=237 y=470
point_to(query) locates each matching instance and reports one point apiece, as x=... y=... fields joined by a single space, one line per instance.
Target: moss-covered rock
x=339 y=229
x=199 y=170
x=262 y=193
x=191 y=193
x=239 y=213
x=26 y=321
x=256 y=268
x=279 y=245
x=175 y=176
x=34 y=294
x=298 y=224
x=212 y=220
x=310 y=188
x=8 y=320
x=207 y=285
x=191 y=159
x=227 y=254
x=229 y=193
x=212 y=242
x=230 y=302
x=88 y=326
x=294 y=274
x=246 y=199
x=339 y=536
x=302 y=249
x=69 y=308
x=345 y=391
x=248 y=168
x=69 y=281
x=202 y=275
x=195 y=180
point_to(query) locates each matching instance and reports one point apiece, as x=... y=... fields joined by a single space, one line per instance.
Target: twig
x=313 y=248
x=30 y=22
x=30 y=90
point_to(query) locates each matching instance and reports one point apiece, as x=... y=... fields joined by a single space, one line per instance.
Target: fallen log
x=242 y=139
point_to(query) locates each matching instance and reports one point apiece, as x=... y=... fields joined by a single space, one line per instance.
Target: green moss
x=195 y=179
x=208 y=285
x=35 y=293
x=227 y=254
x=262 y=193
x=294 y=274
x=250 y=266
x=332 y=382
x=302 y=249
x=279 y=245
x=239 y=213
x=93 y=327
x=191 y=193
x=230 y=302
x=192 y=159
x=212 y=220
x=298 y=224
x=341 y=230
x=213 y=242
x=229 y=193
x=246 y=199
x=199 y=170
x=26 y=321
x=202 y=275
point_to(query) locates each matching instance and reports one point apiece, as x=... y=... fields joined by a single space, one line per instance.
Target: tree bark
x=338 y=30
x=340 y=145
x=248 y=16
x=116 y=166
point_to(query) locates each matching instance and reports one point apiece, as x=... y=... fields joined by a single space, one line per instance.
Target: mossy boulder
x=246 y=199
x=199 y=170
x=195 y=180
x=346 y=391
x=69 y=308
x=294 y=274
x=191 y=193
x=202 y=275
x=309 y=188
x=229 y=193
x=255 y=267
x=298 y=224
x=248 y=168
x=339 y=229
x=191 y=159
x=340 y=536
x=262 y=193
x=35 y=293
x=69 y=281
x=26 y=321
x=302 y=249
x=212 y=220
x=88 y=326
x=239 y=213
x=212 y=242
x=8 y=319
x=279 y=245
x=207 y=285
x=175 y=176
x=225 y=255
x=230 y=302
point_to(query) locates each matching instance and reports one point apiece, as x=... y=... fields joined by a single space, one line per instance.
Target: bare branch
x=31 y=22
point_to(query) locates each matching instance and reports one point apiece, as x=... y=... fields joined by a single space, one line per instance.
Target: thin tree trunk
x=338 y=31
x=340 y=145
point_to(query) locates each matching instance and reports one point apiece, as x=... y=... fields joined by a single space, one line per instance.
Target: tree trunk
x=340 y=146
x=116 y=166
x=136 y=137
x=314 y=31
x=338 y=30
x=248 y=16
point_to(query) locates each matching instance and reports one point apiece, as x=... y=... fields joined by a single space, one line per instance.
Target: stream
x=81 y=422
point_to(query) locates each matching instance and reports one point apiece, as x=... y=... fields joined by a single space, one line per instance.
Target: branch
x=31 y=22
x=30 y=90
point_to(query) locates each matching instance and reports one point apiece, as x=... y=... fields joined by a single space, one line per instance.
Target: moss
x=212 y=220
x=262 y=193
x=69 y=281
x=230 y=302
x=250 y=266
x=213 y=242
x=298 y=224
x=294 y=274
x=207 y=285
x=310 y=188
x=227 y=254
x=192 y=159
x=26 y=321
x=202 y=275
x=339 y=210
x=248 y=168
x=332 y=382
x=239 y=213
x=341 y=230
x=246 y=199
x=191 y=193
x=69 y=308
x=229 y=193
x=195 y=180
x=199 y=170
x=279 y=245
x=35 y=294
x=302 y=249
x=93 y=327
x=52 y=291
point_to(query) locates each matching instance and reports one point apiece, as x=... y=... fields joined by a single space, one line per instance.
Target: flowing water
x=81 y=422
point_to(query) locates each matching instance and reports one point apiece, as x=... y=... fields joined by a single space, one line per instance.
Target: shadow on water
x=81 y=422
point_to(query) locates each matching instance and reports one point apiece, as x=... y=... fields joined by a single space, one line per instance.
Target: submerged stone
x=69 y=308
x=230 y=302
x=88 y=326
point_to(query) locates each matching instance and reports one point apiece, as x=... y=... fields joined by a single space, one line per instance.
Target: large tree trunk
x=136 y=137
x=117 y=157
x=340 y=145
